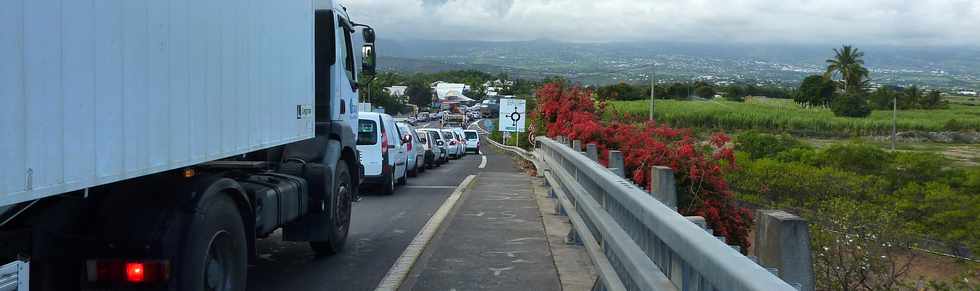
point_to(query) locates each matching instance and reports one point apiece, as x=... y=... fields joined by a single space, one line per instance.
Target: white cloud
x=901 y=22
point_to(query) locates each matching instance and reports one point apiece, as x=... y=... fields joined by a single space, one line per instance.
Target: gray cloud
x=895 y=22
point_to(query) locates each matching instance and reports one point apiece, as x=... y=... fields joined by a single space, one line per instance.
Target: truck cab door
x=345 y=73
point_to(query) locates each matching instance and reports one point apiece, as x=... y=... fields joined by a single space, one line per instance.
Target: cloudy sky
x=886 y=22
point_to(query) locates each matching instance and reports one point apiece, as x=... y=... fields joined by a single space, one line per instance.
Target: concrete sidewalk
x=493 y=240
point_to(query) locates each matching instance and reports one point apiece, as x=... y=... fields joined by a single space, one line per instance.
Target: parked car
x=429 y=149
x=441 y=150
x=452 y=143
x=381 y=150
x=414 y=151
x=411 y=120
x=460 y=140
x=472 y=140
x=422 y=116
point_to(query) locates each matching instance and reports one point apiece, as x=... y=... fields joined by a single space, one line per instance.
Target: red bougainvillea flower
x=699 y=166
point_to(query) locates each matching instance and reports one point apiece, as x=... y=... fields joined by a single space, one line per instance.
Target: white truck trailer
x=147 y=144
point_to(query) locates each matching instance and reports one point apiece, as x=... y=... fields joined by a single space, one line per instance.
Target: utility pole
x=653 y=89
x=894 y=121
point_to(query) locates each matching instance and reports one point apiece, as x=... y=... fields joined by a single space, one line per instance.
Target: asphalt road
x=382 y=226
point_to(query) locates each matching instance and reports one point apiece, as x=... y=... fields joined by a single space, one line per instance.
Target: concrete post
x=782 y=242
x=664 y=188
x=592 y=152
x=699 y=221
x=616 y=163
x=577 y=145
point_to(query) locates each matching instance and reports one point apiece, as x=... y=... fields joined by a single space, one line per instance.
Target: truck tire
x=214 y=253
x=340 y=213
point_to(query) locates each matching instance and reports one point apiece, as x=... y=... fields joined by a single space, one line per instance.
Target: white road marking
x=397 y=273
x=483 y=163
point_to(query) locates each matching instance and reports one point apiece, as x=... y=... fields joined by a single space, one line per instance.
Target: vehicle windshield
x=471 y=135
x=447 y=135
x=367 y=132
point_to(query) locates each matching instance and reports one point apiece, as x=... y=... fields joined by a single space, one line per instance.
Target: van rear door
x=369 y=145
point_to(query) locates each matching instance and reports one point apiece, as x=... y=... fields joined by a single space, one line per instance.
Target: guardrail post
x=616 y=163
x=592 y=152
x=782 y=242
x=572 y=238
x=577 y=145
x=699 y=221
x=664 y=188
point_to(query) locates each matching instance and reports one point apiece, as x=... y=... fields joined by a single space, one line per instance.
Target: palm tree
x=848 y=63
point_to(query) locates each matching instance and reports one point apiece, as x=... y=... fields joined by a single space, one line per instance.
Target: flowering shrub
x=699 y=165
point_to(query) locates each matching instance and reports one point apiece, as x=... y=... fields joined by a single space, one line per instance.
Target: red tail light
x=135 y=272
x=452 y=142
x=114 y=272
x=384 y=143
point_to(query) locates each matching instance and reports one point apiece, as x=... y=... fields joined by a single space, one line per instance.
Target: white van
x=414 y=150
x=461 y=137
x=472 y=140
x=381 y=146
x=452 y=143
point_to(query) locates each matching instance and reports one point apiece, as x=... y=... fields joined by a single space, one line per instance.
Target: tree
x=620 y=91
x=735 y=93
x=911 y=98
x=815 y=91
x=848 y=63
x=883 y=98
x=851 y=105
x=419 y=93
x=705 y=91
x=933 y=100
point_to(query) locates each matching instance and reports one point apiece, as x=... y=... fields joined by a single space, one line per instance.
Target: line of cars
x=392 y=151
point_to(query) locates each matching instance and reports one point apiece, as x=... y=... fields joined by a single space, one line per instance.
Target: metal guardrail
x=14 y=276
x=648 y=245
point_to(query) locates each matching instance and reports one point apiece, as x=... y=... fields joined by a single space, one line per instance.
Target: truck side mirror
x=368 y=34
x=368 y=59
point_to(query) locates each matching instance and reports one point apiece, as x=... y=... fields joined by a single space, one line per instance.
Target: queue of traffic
x=393 y=151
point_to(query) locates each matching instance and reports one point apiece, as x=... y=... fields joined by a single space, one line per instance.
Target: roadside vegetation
x=876 y=215
x=867 y=207
x=784 y=115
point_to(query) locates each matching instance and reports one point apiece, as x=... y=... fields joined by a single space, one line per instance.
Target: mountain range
x=603 y=63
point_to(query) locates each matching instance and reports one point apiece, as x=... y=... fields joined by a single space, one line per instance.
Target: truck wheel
x=214 y=253
x=340 y=212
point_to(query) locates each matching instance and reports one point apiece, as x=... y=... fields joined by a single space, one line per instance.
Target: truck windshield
x=367 y=132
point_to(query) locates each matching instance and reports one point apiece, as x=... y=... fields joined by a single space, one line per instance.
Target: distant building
x=446 y=91
x=396 y=91
x=967 y=93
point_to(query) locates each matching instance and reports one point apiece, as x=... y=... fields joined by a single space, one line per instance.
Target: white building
x=451 y=91
x=396 y=91
x=967 y=93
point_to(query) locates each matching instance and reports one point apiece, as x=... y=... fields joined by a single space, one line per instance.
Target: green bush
x=851 y=105
x=855 y=157
x=802 y=185
x=763 y=145
x=937 y=210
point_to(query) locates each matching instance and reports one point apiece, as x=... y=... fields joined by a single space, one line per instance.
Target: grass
x=781 y=115
x=964 y=100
